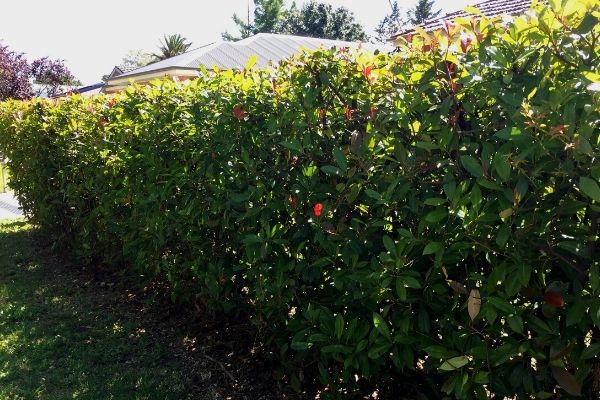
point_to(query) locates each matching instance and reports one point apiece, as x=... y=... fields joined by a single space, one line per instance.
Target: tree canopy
x=137 y=58
x=51 y=75
x=17 y=76
x=313 y=19
x=171 y=46
x=14 y=75
x=391 y=23
x=422 y=11
x=321 y=20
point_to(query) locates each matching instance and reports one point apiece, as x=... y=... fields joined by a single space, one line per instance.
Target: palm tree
x=171 y=45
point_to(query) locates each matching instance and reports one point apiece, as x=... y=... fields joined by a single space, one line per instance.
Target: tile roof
x=267 y=47
x=489 y=8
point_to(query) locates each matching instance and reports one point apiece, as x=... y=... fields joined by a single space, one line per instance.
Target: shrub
x=427 y=220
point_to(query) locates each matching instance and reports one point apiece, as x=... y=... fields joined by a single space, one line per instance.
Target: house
x=489 y=8
x=267 y=47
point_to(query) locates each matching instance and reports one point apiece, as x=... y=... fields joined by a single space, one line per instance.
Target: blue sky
x=94 y=36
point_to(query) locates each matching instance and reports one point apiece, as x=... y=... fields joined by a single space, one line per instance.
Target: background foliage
x=427 y=220
x=313 y=19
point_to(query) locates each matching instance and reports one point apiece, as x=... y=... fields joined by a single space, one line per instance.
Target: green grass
x=64 y=338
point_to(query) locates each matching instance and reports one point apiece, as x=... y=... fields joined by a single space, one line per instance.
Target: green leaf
x=591 y=351
x=390 y=246
x=503 y=235
x=381 y=325
x=339 y=326
x=454 y=363
x=502 y=167
x=330 y=170
x=524 y=271
x=538 y=325
x=590 y=188
x=434 y=201
x=336 y=348
x=501 y=304
x=401 y=289
x=251 y=62
x=432 y=247
x=472 y=165
x=410 y=282
x=340 y=159
x=506 y=213
x=595 y=278
x=373 y=194
x=575 y=313
x=516 y=323
x=292 y=145
x=300 y=346
x=508 y=133
x=587 y=24
x=436 y=215
x=427 y=146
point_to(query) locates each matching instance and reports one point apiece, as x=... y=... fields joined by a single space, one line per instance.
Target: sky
x=93 y=36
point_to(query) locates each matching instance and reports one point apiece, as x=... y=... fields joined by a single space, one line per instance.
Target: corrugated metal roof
x=267 y=47
x=490 y=8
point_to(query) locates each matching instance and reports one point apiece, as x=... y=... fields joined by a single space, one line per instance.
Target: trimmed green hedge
x=427 y=220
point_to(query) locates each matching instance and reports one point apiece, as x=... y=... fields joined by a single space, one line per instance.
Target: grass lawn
x=64 y=338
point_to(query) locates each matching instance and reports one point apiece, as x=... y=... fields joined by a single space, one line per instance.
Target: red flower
x=317 y=209
x=554 y=299
x=239 y=113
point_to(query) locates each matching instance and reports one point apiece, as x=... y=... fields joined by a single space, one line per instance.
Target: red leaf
x=322 y=113
x=554 y=299
x=293 y=200
x=317 y=209
x=373 y=112
x=348 y=111
x=456 y=87
x=239 y=113
x=566 y=381
x=449 y=27
x=367 y=71
x=465 y=43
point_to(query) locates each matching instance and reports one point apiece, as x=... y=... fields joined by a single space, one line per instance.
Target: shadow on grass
x=61 y=337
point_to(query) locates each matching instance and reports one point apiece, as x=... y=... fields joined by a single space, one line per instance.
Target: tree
x=267 y=16
x=422 y=11
x=51 y=75
x=391 y=24
x=14 y=75
x=171 y=46
x=313 y=19
x=321 y=20
x=137 y=58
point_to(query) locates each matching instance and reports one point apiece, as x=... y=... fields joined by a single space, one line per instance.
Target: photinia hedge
x=424 y=222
